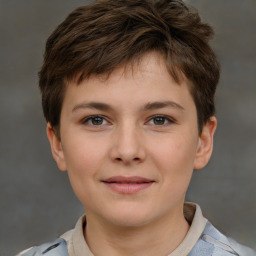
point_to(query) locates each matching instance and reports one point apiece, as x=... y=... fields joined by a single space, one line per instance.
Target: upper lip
x=123 y=179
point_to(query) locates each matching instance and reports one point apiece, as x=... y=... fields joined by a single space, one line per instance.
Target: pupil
x=97 y=120
x=159 y=120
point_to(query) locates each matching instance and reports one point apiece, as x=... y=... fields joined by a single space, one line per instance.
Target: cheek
x=175 y=159
x=83 y=157
x=84 y=162
x=176 y=151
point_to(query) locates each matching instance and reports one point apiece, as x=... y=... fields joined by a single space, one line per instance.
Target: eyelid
x=170 y=120
x=87 y=118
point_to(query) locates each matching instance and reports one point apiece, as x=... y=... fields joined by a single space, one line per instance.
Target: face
x=130 y=143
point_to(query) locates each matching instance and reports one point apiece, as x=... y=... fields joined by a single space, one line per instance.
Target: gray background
x=37 y=203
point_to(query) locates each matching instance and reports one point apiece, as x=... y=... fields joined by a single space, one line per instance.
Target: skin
x=127 y=139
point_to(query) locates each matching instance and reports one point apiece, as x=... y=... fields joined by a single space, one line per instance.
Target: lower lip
x=128 y=188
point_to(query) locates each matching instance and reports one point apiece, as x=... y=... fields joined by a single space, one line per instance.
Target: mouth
x=128 y=185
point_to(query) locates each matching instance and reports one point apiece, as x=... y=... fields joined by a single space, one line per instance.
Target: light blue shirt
x=211 y=243
x=204 y=240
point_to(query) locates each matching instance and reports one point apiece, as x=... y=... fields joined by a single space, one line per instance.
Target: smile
x=128 y=185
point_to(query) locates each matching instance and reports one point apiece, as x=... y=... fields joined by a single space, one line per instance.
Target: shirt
x=202 y=239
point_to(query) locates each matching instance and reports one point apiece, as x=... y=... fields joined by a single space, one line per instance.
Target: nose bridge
x=128 y=144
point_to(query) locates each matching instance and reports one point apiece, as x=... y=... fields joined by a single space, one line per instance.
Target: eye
x=160 y=120
x=95 y=121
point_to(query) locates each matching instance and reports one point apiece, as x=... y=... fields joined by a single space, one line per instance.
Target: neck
x=160 y=237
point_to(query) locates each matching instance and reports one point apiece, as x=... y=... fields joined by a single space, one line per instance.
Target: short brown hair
x=97 y=38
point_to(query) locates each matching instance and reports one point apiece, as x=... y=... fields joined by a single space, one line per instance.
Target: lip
x=128 y=185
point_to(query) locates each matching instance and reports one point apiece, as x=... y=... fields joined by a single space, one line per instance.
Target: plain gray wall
x=37 y=203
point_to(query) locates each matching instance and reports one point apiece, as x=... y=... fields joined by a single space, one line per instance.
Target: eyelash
x=167 y=119
x=90 y=118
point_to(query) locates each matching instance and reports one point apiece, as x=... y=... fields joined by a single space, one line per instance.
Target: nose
x=127 y=145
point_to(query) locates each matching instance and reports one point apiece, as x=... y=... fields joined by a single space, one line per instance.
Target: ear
x=205 y=144
x=56 y=147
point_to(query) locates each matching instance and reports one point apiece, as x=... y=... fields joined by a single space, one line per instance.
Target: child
x=128 y=94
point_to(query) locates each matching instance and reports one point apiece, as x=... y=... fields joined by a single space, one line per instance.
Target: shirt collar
x=77 y=245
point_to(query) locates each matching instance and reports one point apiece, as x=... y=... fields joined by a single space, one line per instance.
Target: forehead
x=136 y=65
x=144 y=80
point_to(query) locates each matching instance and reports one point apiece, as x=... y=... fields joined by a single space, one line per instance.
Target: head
x=108 y=34
x=128 y=93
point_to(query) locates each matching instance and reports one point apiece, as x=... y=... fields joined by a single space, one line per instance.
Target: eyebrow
x=164 y=104
x=148 y=106
x=93 y=105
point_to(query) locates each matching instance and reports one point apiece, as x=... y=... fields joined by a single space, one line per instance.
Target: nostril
x=119 y=159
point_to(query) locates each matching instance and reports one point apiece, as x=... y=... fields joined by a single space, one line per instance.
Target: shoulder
x=58 y=247
x=55 y=248
x=213 y=242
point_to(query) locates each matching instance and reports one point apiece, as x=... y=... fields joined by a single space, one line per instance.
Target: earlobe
x=56 y=147
x=205 y=144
